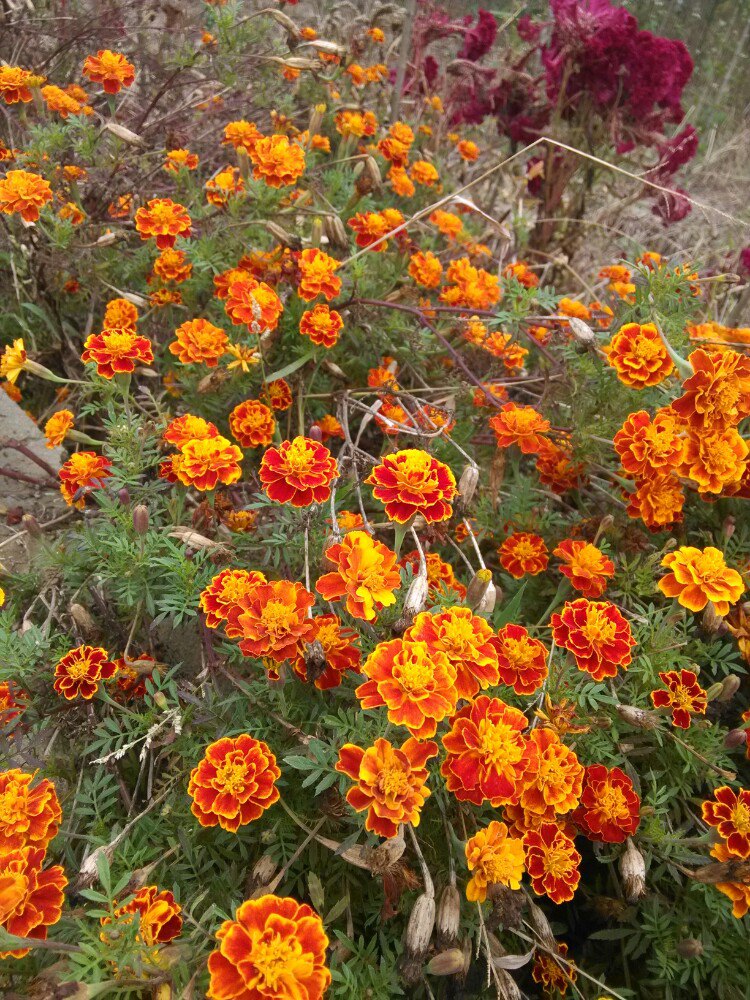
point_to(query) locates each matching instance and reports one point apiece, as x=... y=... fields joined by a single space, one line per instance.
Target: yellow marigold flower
x=241 y=135
x=16 y=84
x=179 y=159
x=221 y=187
x=495 y=859
x=57 y=427
x=698 y=577
x=13 y=361
x=277 y=161
x=24 y=193
x=425 y=269
x=57 y=100
x=424 y=173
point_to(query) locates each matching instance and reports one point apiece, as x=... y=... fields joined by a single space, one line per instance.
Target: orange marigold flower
x=277 y=161
x=495 y=858
x=554 y=777
x=645 y=445
x=586 y=566
x=241 y=135
x=329 y=427
x=570 y=307
x=658 y=501
x=130 y=680
x=80 y=670
x=373 y=226
x=520 y=271
x=425 y=269
x=252 y=424
x=224 y=592
x=424 y=173
x=111 y=69
x=698 y=576
x=468 y=150
x=521 y=425
x=466 y=640
x=556 y=468
x=163 y=219
x=486 y=752
x=737 y=892
x=730 y=814
x=365 y=574
x=279 y=394
x=207 y=462
x=717 y=395
x=31 y=899
x=683 y=695
x=223 y=185
x=619 y=280
x=13 y=701
x=523 y=553
x=171 y=265
x=400 y=182
x=180 y=159
x=321 y=324
x=159 y=919
x=449 y=224
x=73 y=212
x=84 y=471
x=271 y=619
x=234 y=783
x=522 y=661
x=16 y=84
x=57 y=100
x=415 y=683
x=199 y=342
x=299 y=472
x=597 y=635
x=552 y=862
x=390 y=782
x=638 y=355
x=356 y=123
x=57 y=427
x=274 y=948
x=412 y=482
x=24 y=193
x=496 y=391
x=121 y=314
x=117 y=352
x=441 y=580
x=30 y=817
x=339 y=647
x=469 y=286
x=610 y=808
x=716 y=460
x=316 y=275
x=226 y=278
x=187 y=428
x=552 y=974
x=253 y=303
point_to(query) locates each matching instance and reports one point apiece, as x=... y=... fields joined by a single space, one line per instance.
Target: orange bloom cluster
x=553 y=779
x=586 y=566
x=619 y=280
x=373 y=226
x=552 y=862
x=224 y=591
x=204 y=463
x=31 y=815
x=596 y=634
x=159 y=920
x=522 y=661
x=234 y=783
x=521 y=425
x=522 y=553
x=57 y=427
x=24 y=193
x=241 y=135
x=277 y=161
x=466 y=640
x=683 y=696
x=356 y=123
x=299 y=472
x=520 y=272
x=390 y=782
x=224 y=185
x=494 y=858
x=717 y=395
x=16 y=84
x=163 y=219
x=412 y=482
x=171 y=265
x=83 y=472
x=396 y=145
x=729 y=813
x=647 y=446
x=252 y=424
x=322 y=325
x=180 y=159
x=111 y=69
x=365 y=574
x=253 y=303
x=468 y=286
x=271 y=619
x=199 y=342
x=697 y=577
x=117 y=351
x=340 y=650
x=425 y=269
x=638 y=355
x=316 y=275
x=416 y=684
x=32 y=898
x=78 y=672
x=610 y=808
x=274 y=947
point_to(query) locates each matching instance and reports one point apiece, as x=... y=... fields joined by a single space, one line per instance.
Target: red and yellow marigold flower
x=159 y=919
x=234 y=783
x=494 y=858
x=486 y=752
x=16 y=83
x=187 y=428
x=717 y=395
x=277 y=161
x=83 y=472
x=339 y=647
x=586 y=566
x=697 y=577
x=390 y=782
x=416 y=684
x=223 y=185
x=683 y=695
x=553 y=779
x=322 y=325
x=117 y=352
x=29 y=816
x=172 y=265
x=130 y=678
x=206 y=463
x=447 y=223
x=556 y=467
x=253 y=303
x=164 y=220
x=425 y=269
x=553 y=975
x=316 y=275
x=274 y=948
x=523 y=553
x=412 y=482
x=366 y=575
x=111 y=69
x=57 y=427
x=252 y=424
x=521 y=273
x=646 y=446
x=737 y=892
x=522 y=661
x=180 y=159
x=466 y=640
x=552 y=862
x=279 y=394
x=79 y=672
x=329 y=427
x=521 y=425
x=198 y=342
x=299 y=472
x=241 y=135
x=356 y=123
x=224 y=592
x=597 y=635
x=715 y=460
x=121 y=314
x=638 y=355
x=24 y=194
x=610 y=808
x=31 y=899
x=373 y=226
x=13 y=700
x=729 y=813
x=271 y=619
x=468 y=286
x=658 y=501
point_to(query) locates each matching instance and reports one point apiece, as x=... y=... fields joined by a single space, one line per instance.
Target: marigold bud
x=632 y=872
x=728 y=527
x=31 y=526
x=140 y=519
x=160 y=701
x=478 y=588
x=446 y=963
x=285 y=238
x=467 y=484
x=690 y=948
x=729 y=687
x=711 y=621
x=368 y=177
x=315 y=433
x=124 y=496
x=448 y=916
x=316 y=233
x=714 y=691
x=638 y=717
x=735 y=738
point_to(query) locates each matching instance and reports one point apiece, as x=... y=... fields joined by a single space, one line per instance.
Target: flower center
x=273 y=958
x=297 y=458
x=741 y=818
x=589 y=558
x=499 y=868
x=78 y=669
x=558 y=862
x=118 y=344
x=231 y=775
x=645 y=349
x=275 y=617
x=520 y=653
x=724 y=396
x=12 y=804
x=598 y=629
x=497 y=744
x=414 y=671
x=611 y=801
x=393 y=781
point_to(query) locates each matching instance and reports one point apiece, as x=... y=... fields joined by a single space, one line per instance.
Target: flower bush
x=388 y=637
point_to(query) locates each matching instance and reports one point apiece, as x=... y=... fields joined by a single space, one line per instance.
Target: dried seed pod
x=334 y=230
x=385 y=855
x=729 y=687
x=467 y=484
x=487 y=605
x=690 y=948
x=124 y=134
x=632 y=872
x=581 y=331
x=140 y=519
x=417 y=937
x=478 y=588
x=446 y=963
x=261 y=876
x=368 y=177
x=640 y=718
x=711 y=622
x=285 y=238
x=315 y=661
x=538 y=920
x=448 y=918
x=85 y=623
x=416 y=595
